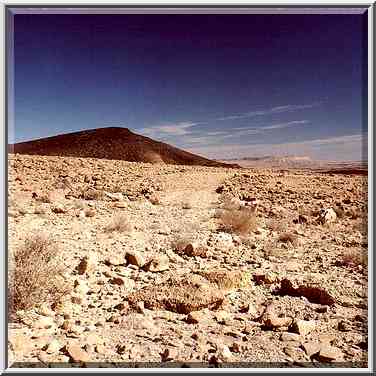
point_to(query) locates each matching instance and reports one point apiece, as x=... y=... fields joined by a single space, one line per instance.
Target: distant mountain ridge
x=115 y=143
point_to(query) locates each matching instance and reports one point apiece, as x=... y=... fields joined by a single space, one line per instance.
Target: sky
x=222 y=86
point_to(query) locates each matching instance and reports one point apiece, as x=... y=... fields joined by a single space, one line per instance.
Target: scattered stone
x=121 y=349
x=115 y=260
x=45 y=310
x=117 y=281
x=20 y=343
x=94 y=339
x=157 y=264
x=330 y=353
x=100 y=349
x=44 y=322
x=235 y=347
x=86 y=265
x=222 y=316
x=194 y=250
x=303 y=327
x=77 y=354
x=311 y=348
x=135 y=258
x=80 y=287
x=114 y=196
x=327 y=216
x=271 y=320
x=224 y=353
x=53 y=347
x=327 y=338
x=59 y=208
x=120 y=204
x=195 y=317
x=344 y=326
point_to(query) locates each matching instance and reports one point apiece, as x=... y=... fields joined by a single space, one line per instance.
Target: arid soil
x=157 y=276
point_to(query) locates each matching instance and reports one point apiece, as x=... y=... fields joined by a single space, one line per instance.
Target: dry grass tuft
x=353 y=259
x=89 y=212
x=155 y=200
x=35 y=275
x=241 y=222
x=288 y=237
x=339 y=211
x=276 y=225
x=119 y=223
x=44 y=197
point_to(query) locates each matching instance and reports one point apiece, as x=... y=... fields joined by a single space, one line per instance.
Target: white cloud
x=178 y=129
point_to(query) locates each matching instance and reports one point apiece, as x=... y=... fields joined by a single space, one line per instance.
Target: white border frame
x=210 y=3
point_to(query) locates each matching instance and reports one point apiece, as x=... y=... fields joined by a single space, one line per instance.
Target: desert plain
x=170 y=265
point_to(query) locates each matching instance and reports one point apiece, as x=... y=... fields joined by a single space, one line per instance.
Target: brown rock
x=330 y=353
x=135 y=258
x=100 y=349
x=53 y=347
x=86 y=264
x=117 y=281
x=195 y=317
x=303 y=327
x=44 y=322
x=59 y=208
x=311 y=348
x=77 y=354
x=158 y=264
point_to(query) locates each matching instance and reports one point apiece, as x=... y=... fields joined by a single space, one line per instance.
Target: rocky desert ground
x=154 y=265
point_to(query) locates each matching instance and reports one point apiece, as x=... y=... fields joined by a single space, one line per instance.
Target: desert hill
x=114 y=143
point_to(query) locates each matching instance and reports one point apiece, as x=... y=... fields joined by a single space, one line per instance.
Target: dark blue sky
x=218 y=85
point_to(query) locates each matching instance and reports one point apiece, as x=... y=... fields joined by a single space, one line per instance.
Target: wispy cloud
x=286 y=125
x=271 y=111
x=216 y=137
x=347 y=147
x=178 y=129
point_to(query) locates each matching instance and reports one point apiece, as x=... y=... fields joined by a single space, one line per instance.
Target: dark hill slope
x=112 y=143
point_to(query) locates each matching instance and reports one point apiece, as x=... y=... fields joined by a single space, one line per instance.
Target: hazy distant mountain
x=291 y=162
x=112 y=143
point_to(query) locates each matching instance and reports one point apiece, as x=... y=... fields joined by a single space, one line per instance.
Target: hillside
x=113 y=143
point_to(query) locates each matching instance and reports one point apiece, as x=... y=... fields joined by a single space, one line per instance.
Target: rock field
x=157 y=278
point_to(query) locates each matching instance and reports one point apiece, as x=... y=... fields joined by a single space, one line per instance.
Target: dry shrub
x=240 y=222
x=35 y=275
x=119 y=223
x=354 y=213
x=78 y=204
x=45 y=198
x=116 y=188
x=89 y=212
x=276 y=225
x=230 y=203
x=155 y=200
x=353 y=259
x=339 y=211
x=288 y=237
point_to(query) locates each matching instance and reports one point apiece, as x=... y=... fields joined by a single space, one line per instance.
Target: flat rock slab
x=184 y=295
